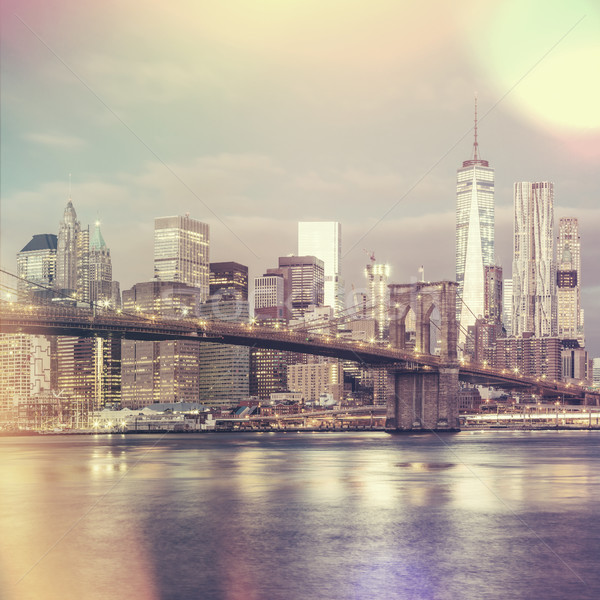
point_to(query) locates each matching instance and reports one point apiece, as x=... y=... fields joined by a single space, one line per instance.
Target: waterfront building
x=181 y=252
x=305 y=275
x=568 y=280
x=100 y=276
x=36 y=266
x=596 y=372
x=89 y=371
x=229 y=275
x=323 y=239
x=224 y=369
x=25 y=369
x=533 y=272
x=530 y=356
x=316 y=378
x=167 y=371
x=474 y=235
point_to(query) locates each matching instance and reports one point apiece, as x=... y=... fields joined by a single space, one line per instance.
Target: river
x=292 y=516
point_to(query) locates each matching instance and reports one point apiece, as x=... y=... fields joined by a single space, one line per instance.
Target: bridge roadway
x=69 y=321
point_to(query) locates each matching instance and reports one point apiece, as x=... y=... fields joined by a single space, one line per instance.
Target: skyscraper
x=534 y=285
x=72 y=256
x=474 y=235
x=229 y=275
x=181 y=251
x=36 y=263
x=323 y=239
x=568 y=280
x=306 y=278
x=377 y=275
x=100 y=268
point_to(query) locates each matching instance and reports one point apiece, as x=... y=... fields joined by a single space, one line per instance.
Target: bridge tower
x=421 y=398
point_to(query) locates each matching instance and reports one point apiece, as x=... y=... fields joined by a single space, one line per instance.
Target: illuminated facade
x=323 y=239
x=37 y=264
x=534 y=274
x=568 y=280
x=224 y=369
x=377 y=283
x=314 y=379
x=229 y=275
x=166 y=371
x=101 y=288
x=72 y=256
x=181 y=252
x=507 y=302
x=474 y=236
x=306 y=282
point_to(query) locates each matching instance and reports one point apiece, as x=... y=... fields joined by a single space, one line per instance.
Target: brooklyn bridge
x=422 y=387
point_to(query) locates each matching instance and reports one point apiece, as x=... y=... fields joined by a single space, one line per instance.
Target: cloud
x=55 y=140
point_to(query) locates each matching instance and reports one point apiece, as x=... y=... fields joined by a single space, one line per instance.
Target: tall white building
x=377 y=275
x=181 y=252
x=568 y=280
x=323 y=239
x=534 y=271
x=474 y=235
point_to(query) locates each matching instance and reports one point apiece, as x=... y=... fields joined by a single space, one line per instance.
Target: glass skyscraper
x=323 y=239
x=181 y=252
x=474 y=235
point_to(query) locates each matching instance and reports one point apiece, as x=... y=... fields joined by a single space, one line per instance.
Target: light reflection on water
x=246 y=516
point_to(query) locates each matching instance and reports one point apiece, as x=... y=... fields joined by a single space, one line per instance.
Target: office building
x=507 y=302
x=474 y=235
x=533 y=273
x=323 y=239
x=315 y=379
x=100 y=276
x=181 y=252
x=229 y=275
x=36 y=263
x=166 y=371
x=224 y=369
x=72 y=256
x=305 y=276
x=568 y=281
x=377 y=275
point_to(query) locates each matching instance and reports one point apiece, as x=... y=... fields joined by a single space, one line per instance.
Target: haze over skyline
x=252 y=117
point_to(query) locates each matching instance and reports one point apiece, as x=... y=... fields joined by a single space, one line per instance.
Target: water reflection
x=299 y=516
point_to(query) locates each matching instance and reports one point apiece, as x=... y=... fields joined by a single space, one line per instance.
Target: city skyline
x=358 y=134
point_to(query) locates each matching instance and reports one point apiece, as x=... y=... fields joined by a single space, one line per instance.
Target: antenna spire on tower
x=69 y=186
x=475 y=144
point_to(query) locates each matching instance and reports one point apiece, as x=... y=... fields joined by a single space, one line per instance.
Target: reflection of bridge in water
x=422 y=387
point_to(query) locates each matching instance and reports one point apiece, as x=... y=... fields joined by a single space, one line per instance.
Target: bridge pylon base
x=423 y=401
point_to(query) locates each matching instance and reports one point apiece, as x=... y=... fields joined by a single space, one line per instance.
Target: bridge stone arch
x=422 y=399
x=423 y=297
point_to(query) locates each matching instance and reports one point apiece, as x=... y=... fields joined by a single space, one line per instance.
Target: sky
x=252 y=115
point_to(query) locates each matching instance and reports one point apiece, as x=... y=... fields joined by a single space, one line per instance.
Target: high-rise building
x=493 y=296
x=568 y=281
x=306 y=279
x=72 y=256
x=224 y=369
x=100 y=264
x=181 y=252
x=166 y=371
x=230 y=276
x=533 y=273
x=36 y=266
x=323 y=239
x=507 y=300
x=474 y=235
x=377 y=275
